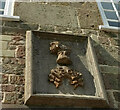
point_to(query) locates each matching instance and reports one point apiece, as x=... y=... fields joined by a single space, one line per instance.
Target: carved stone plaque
x=43 y=52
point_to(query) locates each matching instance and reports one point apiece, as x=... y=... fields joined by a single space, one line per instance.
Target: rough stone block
x=10 y=98
x=1 y=96
x=29 y=26
x=7 y=88
x=12 y=47
x=12 y=69
x=11 y=23
x=106 y=34
x=21 y=61
x=106 y=57
x=6 y=60
x=104 y=40
x=88 y=6
x=20 y=52
x=3 y=45
x=5 y=79
x=89 y=19
x=114 y=42
x=15 y=79
x=48 y=14
x=7 y=53
x=6 y=37
x=19 y=88
x=12 y=30
x=111 y=98
x=111 y=81
x=1 y=60
x=117 y=96
x=109 y=69
x=47 y=28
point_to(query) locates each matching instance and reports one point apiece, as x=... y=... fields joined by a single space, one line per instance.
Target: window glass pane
x=1 y=12
x=2 y=5
x=111 y=15
x=116 y=24
x=116 y=1
x=119 y=13
x=117 y=5
x=107 y=5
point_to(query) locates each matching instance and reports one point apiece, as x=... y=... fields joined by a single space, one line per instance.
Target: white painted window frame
x=8 y=11
x=105 y=25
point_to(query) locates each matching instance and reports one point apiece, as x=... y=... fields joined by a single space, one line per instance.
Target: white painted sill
x=109 y=28
x=9 y=18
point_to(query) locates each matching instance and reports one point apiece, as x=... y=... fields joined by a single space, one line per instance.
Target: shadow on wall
x=104 y=57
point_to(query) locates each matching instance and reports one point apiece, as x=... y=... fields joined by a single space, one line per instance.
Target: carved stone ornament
x=54 y=47
x=58 y=74
x=63 y=58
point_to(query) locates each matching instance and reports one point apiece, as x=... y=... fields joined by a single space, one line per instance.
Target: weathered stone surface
x=89 y=19
x=19 y=88
x=3 y=45
x=6 y=60
x=48 y=14
x=114 y=41
x=88 y=32
x=111 y=81
x=7 y=53
x=8 y=88
x=15 y=79
x=58 y=3
x=46 y=28
x=117 y=96
x=6 y=37
x=60 y=28
x=5 y=79
x=18 y=38
x=13 y=69
x=21 y=61
x=12 y=30
x=107 y=52
x=109 y=69
x=20 y=101
x=104 y=40
x=11 y=47
x=21 y=25
x=106 y=57
x=10 y=98
x=20 y=52
x=1 y=60
x=17 y=42
x=106 y=34
x=110 y=98
x=1 y=96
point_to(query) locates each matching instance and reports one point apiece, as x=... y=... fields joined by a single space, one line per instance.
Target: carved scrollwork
x=58 y=74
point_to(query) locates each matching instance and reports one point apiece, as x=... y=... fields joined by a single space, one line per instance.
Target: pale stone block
x=3 y=45
x=7 y=53
x=6 y=37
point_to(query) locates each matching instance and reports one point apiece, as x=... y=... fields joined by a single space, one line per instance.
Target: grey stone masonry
x=74 y=18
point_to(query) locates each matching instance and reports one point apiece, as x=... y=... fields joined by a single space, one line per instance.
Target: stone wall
x=79 y=19
x=13 y=64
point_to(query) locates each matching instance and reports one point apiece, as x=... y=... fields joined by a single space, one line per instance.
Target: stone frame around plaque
x=33 y=98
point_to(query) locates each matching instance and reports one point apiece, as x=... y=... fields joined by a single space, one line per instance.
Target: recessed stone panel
x=40 y=62
x=46 y=14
